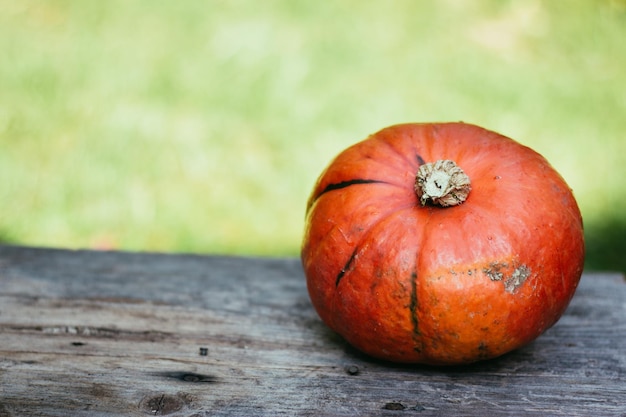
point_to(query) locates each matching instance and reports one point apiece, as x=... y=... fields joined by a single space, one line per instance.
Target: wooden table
x=132 y=334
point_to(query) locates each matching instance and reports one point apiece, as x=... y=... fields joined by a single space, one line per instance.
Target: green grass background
x=201 y=126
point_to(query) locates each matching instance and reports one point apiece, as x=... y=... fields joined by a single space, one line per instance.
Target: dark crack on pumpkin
x=346 y=268
x=345 y=184
x=340 y=185
x=420 y=160
x=413 y=304
x=413 y=309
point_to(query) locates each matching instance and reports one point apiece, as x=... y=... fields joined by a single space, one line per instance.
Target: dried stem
x=442 y=183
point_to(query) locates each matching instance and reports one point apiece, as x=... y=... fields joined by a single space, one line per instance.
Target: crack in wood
x=90 y=331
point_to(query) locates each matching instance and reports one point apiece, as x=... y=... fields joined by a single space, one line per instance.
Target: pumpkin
x=441 y=244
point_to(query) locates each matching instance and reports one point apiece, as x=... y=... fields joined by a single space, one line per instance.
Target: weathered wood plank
x=105 y=334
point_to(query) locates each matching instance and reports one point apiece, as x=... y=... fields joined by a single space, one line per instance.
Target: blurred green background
x=201 y=126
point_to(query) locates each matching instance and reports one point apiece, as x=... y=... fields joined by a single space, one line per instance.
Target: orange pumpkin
x=441 y=244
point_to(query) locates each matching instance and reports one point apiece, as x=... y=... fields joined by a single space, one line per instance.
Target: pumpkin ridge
x=366 y=237
x=403 y=156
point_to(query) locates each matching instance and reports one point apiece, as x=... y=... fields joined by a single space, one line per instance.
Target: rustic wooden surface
x=132 y=334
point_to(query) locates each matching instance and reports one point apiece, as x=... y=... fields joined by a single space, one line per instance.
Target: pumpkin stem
x=443 y=183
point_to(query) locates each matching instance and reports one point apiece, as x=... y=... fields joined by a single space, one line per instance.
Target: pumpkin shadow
x=505 y=364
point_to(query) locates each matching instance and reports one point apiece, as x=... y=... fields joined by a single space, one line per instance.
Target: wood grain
x=132 y=334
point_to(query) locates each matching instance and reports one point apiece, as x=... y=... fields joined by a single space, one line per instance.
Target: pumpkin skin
x=414 y=283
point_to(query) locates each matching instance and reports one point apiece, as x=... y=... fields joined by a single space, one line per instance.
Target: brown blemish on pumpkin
x=517 y=278
x=483 y=351
x=496 y=272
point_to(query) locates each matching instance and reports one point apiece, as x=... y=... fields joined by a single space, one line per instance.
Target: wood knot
x=352 y=370
x=394 y=406
x=189 y=377
x=161 y=404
